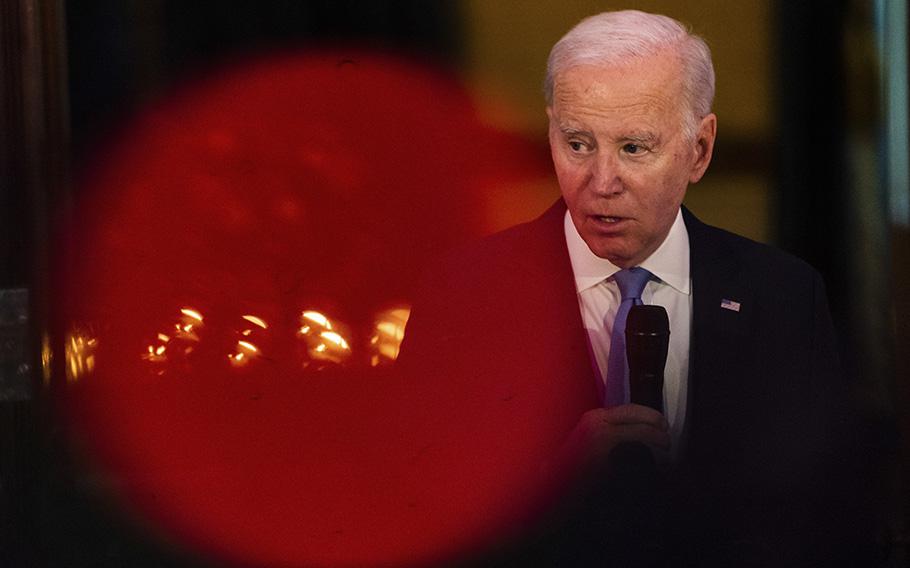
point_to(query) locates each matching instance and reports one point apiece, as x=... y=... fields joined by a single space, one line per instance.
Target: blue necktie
x=631 y=282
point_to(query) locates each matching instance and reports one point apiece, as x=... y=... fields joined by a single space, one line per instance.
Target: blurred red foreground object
x=300 y=182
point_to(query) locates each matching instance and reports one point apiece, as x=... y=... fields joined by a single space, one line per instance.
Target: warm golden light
x=79 y=354
x=246 y=351
x=323 y=340
x=388 y=332
x=194 y=314
x=157 y=353
x=47 y=358
x=180 y=341
x=187 y=329
x=188 y=325
x=243 y=355
x=317 y=318
x=335 y=338
x=256 y=321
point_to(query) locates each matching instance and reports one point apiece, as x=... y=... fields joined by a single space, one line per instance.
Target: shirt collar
x=669 y=263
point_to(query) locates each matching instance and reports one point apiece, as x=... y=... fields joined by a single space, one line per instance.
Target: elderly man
x=751 y=428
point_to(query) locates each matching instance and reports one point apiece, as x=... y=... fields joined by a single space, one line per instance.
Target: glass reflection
x=47 y=359
x=321 y=341
x=388 y=332
x=181 y=339
x=79 y=354
x=324 y=342
x=245 y=350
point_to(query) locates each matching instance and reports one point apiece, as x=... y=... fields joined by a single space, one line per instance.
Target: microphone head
x=647 y=320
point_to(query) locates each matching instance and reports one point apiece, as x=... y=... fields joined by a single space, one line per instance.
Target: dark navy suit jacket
x=767 y=471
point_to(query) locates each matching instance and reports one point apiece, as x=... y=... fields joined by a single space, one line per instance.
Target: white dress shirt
x=671 y=287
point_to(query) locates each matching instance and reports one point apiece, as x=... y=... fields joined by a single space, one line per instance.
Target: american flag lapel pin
x=729 y=305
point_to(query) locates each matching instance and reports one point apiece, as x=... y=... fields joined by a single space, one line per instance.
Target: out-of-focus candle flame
x=245 y=351
x=335 y=338
x=323 y=340
x=188 y=325
x=244 y=354
x=79 y=353
x=388 y=332
x=190 y=312
x=257 y=321
x=239 y=358
x=157 y=353
x=317 y=318
x=181 y=340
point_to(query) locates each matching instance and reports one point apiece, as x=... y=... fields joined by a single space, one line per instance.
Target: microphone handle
x=647 y=390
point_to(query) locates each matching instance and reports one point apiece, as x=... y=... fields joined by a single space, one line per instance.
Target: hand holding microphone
x=600 y=431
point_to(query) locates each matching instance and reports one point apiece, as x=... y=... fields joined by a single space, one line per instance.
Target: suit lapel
x=722 y=314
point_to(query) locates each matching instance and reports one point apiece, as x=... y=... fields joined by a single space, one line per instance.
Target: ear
x=704 y=146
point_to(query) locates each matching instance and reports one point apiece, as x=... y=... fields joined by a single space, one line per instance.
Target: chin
x=607 y=250
x=618 y=258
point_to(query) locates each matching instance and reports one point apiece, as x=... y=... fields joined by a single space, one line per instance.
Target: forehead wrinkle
x=584 y=92
x=633 y=104
x=628 y=120
x=631 y=126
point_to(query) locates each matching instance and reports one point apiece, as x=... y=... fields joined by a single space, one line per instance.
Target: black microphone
x=647 y=341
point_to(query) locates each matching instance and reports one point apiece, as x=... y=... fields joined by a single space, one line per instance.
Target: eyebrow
x=644 y=136
x=571 y=131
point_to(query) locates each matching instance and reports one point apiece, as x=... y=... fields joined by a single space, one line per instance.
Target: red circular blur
x=298 y=182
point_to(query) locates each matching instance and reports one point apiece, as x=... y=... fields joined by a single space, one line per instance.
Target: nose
x=606 y=178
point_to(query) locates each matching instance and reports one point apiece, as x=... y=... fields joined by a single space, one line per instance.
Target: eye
x=632 y=148
x=576 y=146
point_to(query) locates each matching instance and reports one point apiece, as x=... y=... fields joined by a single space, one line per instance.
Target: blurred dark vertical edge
x=50 y=515
x=901 y=260
x=33 y=167
x=830 y=209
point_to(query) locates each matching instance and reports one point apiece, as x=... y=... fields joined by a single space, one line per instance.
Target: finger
x=643 y=433
x=635 y=414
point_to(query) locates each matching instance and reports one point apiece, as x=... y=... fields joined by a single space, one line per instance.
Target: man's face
x=621 y=154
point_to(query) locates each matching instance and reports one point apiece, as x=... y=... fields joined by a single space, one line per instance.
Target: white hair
x=618 y=38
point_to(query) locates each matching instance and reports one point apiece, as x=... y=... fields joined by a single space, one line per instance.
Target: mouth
x=609 y=224
x=609 y=219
